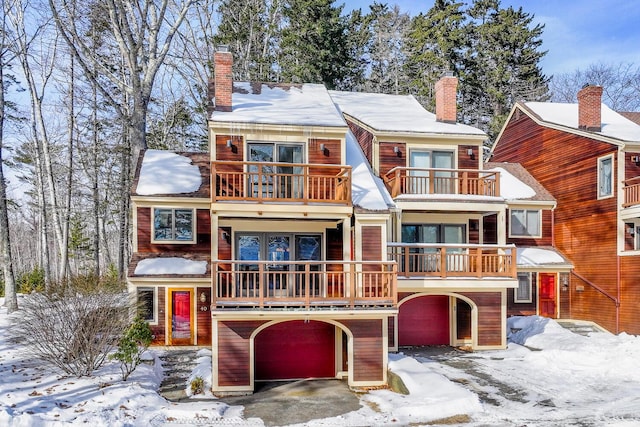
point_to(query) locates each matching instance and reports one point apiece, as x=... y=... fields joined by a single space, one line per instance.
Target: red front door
x=547 y=298
x=181 y=318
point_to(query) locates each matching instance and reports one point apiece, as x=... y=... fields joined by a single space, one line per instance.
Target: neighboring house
x=324 y=229
x=588 y=157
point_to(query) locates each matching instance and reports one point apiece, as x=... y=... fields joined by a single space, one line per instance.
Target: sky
x=577 y=33
x=546 y=376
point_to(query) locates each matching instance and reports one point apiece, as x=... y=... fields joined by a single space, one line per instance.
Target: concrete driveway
x=295 y=402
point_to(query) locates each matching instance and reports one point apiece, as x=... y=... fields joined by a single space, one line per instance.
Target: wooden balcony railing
x=443 y=261
x=418 y=181
x=631 y=192
x=303 y=284
x=280 y=182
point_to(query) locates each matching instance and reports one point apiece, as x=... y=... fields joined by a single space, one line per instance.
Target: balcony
x=418 y=181
x=631 y=190
x=426 y=260
x=304 y=285
x=262 y=182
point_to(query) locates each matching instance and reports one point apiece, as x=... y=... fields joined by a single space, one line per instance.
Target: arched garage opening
x=297 y=349
x=435 y=320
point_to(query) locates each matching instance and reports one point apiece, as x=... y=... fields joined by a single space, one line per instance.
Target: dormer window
x=173 y=225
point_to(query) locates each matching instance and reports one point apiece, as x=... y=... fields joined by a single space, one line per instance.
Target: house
x=324 y=229
x=588 y=157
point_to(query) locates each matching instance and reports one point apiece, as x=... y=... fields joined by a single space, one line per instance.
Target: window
x=173 y=225
x=421 y=182
x=525 y=223
x=605 y=177
x=146 y=304
x=268 y=180
x=523 y=292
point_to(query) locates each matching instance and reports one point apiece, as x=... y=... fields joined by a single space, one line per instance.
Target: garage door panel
x=293 y=350
x=424 y=321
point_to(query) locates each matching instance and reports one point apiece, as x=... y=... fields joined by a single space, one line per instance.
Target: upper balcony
x=631 y=192
x=305 y=285
x=457 y=261
x=262 y=182
x=421 y=182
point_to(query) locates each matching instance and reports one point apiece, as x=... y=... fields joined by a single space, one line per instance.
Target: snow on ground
x=547 y=376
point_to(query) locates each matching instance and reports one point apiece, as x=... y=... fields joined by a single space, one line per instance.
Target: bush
x=30 y=281
x=197 y=385
x=134 y=342
x=75 y=324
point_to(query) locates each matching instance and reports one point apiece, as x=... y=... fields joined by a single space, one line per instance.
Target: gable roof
x=616 y=128
x=281 y=104
x=396 y=113
x=517 y=184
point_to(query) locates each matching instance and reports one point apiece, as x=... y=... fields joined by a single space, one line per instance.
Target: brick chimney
x=223 y=79
x=589 y=108
x=446 y=90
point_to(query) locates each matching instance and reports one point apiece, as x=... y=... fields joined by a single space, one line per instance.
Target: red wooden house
x=588 y=157
x=324 y=229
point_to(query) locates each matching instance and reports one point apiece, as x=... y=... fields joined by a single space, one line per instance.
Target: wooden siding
x=585 y=227
x=203 y=232
x=524 y=308
x=389 y=159
x=204 y=316
x=159 y=329
x=236 y=152
x=464 y=160
x=234 y=356
x=330 y=156
x=365 y=140
x=372 y=243
x=368 y=349
x=489 y=317
x=631 y=168
x=391 y=331
x=474 y=231
x=565 y=298
x=490 y=229
x=547 y=232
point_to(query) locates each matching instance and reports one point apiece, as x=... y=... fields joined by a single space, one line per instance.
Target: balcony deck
x=262 y=182
x=310 y=285
x=419 y=181
x=425 y=260
x=631 y=192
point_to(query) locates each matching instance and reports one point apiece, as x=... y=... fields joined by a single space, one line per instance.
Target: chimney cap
x=586 y=85
x=447 y=73
x=222 y=48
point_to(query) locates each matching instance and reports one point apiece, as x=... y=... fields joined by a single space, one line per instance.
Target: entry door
x=181 y=316
x=547 y=295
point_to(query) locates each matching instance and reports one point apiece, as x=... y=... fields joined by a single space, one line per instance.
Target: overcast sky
x=577 y=32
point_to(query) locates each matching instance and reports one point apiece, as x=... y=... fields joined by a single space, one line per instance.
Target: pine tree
x=314 y=44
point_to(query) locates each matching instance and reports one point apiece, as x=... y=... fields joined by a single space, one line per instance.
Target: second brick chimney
x=590 y=108
x=223 y=79
x=446 y=91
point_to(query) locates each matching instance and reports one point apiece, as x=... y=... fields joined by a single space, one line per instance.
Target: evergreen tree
x=314 y=44
x=435 y=44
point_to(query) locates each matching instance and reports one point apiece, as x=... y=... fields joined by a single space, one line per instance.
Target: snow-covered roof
x=279 y=104
x=170 y=265
x=367 y=190
x=541 y=257
x=614 y=125
x=396 y=113
x=517 y=184
x=166 y=172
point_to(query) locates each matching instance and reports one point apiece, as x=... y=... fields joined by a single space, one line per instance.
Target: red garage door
x=294 y=350
x=424 y=321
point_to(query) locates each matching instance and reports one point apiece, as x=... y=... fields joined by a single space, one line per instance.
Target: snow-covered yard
x=547 y=376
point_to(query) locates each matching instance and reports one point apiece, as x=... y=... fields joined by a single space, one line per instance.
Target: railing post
x=396 y=188
x=263 y=288
x=479 y=266
x=465 y=182
x=407 y=261
x=307 y=287
x=497 y=186
x=443 y=262
x=306 y=185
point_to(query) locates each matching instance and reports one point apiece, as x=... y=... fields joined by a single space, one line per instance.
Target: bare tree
x=6 y=40
x=620 y=83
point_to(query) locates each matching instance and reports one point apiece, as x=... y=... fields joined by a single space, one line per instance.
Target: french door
x=421 y=182
x=429 y=261
x=267 y=180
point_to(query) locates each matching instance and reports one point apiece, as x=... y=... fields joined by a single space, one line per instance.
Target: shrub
x=134 y=342
x=30 y=281
x=197 y=385
x=74 y=325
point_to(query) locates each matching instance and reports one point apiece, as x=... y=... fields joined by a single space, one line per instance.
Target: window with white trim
x=146 y=298
x=522 y=294
x=525 y=223
x=174 y=225
x=605 y=177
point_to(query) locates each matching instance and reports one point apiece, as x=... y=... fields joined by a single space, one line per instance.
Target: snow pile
x=538 y=256
x=170 y=265
x=367 y=190
x=202 y=370
x=511 y=188
x=165 y=172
